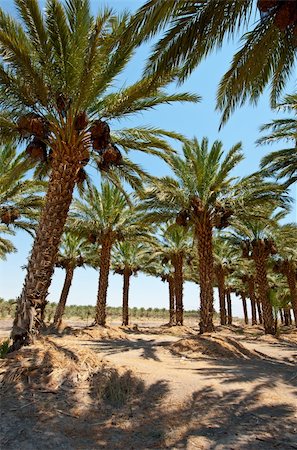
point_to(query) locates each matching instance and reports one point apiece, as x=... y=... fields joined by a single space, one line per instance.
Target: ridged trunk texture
x=100 y=315
x=177 y=262
x=64 y=295
x=206 y=274
x=229 y=307
x=260 y=259
x=281 y=316
x=244 y=307
x=259 y=309
x=251 y=288
x=32 y=301
x=126 y=285
x=171 y=301
x=290 y=274
x=287 y=317
x=222 y=293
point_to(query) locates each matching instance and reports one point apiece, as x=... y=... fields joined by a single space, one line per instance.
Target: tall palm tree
x=106 y=217
x=20 y=198
x=128 y=258
x=256 y=239
x=282 y=163
x=286 y=259
x=203 y=194
x=194 y=29
x=56 y=90
x=74 y=252
x=174 y=245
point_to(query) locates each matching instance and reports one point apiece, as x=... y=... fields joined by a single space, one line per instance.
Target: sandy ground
x=153 y=388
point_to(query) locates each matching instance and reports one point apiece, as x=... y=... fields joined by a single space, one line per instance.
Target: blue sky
x=191 y=120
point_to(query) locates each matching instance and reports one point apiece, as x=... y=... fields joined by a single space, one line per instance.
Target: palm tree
x=173 y=244
x=255 y=237
x=74 y=252
x=282 y=163
x=56 y=89
x=203 y=194
x=106 y=217
x=127 y=259
x=194 y=29
x=20 y=199
x=286 y=260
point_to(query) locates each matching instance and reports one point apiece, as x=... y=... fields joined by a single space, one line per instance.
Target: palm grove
x=59 y=101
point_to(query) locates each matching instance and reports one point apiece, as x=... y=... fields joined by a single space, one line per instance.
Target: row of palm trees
x=57 y=73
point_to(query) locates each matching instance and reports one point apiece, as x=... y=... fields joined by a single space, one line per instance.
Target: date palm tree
x=127 y=259
x=6 y=246
x=282 y=163
x=195 y=29
x=203 y=194
x=57 y=73
x=286 y=260
x=75 y=251
x=106 y=217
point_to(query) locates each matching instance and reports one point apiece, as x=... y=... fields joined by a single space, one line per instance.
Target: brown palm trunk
x=222 y=291
x=281 y=316
x=206 y=272
x=100 y=315
x=260 y=259
x=177 y=262
x=251 y=288
x=245 y=313
x=126 y=285
x=229 y=307
x=32 y=300
x=286 y=316
x=171 y=301
x=64 y=295
x=293 y=289
x=259 y=309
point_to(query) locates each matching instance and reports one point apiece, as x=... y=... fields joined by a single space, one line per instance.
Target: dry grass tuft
x=212 y=346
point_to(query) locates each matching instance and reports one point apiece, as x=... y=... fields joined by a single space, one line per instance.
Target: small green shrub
x=4 y=349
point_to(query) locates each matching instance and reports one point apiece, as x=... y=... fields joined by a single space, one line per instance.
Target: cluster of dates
x=284 y=12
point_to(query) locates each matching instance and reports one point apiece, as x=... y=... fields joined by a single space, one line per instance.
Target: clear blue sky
x=191 y=120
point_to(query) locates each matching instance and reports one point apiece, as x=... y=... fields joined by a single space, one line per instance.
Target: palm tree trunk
x=171 y=301
x=260 y=259
x=281 y=316
x=127 y=275
x=251 y=288
x=244 y=306
x=177 y=263
x=229 y=307
x=100 y=315
x=32 y=300
x=222 y=291
x=286 y=316
x=293 y=289
x=64 y=295
x=206 y=272
x=259 y=309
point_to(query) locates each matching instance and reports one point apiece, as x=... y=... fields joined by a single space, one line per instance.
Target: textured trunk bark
x=286 y=317
x=251 y=287
x=293 y=289
x=222 y=291
x=126 y=285
x=259 y=309
x=244 y=306
x=229 y=307
x=177 y=263
x=28 y=318
x=171 y=301
x=100 y=316
x=281 y=316
x=260 y=259
x=206 y=273
x=64 y=295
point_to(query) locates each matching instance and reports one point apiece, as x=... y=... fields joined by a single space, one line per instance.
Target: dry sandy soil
x=151 y=387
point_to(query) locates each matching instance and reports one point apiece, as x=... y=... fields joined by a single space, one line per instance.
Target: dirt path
x=238 y=394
